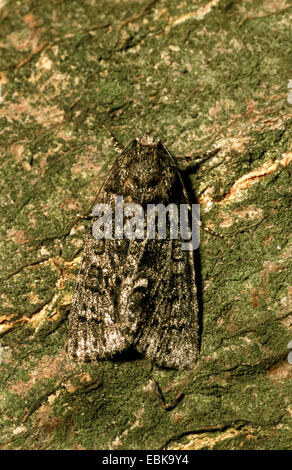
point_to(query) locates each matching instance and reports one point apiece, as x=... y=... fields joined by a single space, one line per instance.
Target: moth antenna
x=119 y=148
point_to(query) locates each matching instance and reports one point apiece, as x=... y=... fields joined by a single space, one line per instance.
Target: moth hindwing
x=137 y=293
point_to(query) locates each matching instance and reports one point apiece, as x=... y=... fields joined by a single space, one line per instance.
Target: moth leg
x=115 y=141
x=189 y=163
x=210 y=231
x=159 y=393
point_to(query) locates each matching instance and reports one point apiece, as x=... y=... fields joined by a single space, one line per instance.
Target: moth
x=138 y=293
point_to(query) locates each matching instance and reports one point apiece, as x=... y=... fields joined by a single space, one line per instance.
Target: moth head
x=150 y=174
x=144 y=173
x=147 y=139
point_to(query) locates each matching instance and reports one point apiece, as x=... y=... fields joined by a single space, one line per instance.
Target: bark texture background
x=199 y=75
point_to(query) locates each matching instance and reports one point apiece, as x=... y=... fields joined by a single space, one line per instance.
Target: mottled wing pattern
x=103 y=320
x=170 y=333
